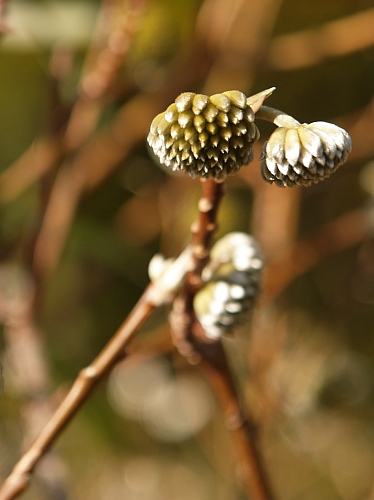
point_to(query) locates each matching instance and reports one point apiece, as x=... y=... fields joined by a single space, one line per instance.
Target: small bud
x=304 y=154
x=209 y=137
x=232 y=284
x=167 y=276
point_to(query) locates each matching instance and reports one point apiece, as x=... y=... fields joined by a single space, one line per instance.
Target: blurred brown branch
x=239 y=421
x=4 y=27
x=310 y=47
x=117 y=25
x=95 y=161
x=111 y=42
x=27 y=358
x=360 y=125
x=236 y=31
x=40 y=158
x=344 y=232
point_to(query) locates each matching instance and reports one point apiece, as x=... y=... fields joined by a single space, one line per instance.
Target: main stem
x=238 y=421
x=82 y=388
x=211 y=356
x=205 y=227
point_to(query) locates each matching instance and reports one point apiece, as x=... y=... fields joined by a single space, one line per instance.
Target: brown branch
x=239 y=422
x=275 y=218
x=237 y=31
x=212 y=360
x=4 y=27
x=371 y=493
x=191 y=341
x=203 y=230
x=36 y=161
x=118 y=23
x=205 y=227
x=344 y=232
x=29 y=373
x=82 y=388
x=360 y=125
x=310 y=47
x=110 y=45
x=25 y=346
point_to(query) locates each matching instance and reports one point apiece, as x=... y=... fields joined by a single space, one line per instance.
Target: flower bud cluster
x=232 y=280
x=209 y=137
x=304 y=154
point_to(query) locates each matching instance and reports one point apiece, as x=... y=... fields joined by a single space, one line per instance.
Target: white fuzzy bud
x=304 y=154
x=232 y=284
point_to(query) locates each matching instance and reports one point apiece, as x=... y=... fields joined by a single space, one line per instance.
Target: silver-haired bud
x=209 y=137
x=304 y=154
x=232 y=284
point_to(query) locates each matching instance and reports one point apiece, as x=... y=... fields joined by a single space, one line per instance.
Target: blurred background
x=84 y=206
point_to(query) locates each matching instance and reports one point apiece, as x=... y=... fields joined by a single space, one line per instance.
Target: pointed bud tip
x=255 y=101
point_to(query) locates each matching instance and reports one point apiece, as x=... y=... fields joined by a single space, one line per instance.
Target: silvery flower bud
x=209 y=137
x=304 y=154
x=232 y=284
x=167 y=276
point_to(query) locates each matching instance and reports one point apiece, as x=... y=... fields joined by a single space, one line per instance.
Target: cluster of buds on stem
x=232 y=284
x=212 y=137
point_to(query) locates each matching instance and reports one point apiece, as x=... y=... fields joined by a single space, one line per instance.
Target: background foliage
x=84 y=206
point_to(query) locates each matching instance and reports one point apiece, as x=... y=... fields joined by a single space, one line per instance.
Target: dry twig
x=314 y=46
x=344 y=232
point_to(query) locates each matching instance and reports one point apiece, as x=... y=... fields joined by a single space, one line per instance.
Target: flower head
x=209 y=137
x=232 y=280
x=304 y=154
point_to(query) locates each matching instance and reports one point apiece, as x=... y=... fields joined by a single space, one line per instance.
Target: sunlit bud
x=232 y=284
x=304 y=154
x=208 y=137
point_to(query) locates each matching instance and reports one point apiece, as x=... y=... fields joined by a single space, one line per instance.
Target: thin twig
x=314 y=46
x=344 y=232
x=237 y=31
x=30 y=375
x=117 y=25
x=99 y=158
x=82 y=388
x=25 y=342
x=4 y=27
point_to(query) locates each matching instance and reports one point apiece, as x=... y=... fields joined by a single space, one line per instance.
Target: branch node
x=205 y=205
x=89 y=373
x=234 y=421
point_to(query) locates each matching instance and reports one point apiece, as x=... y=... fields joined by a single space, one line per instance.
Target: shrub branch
x=210 y=355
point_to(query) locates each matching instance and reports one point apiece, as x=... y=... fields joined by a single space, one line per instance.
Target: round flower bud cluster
x=304 y=154
x=232 y=284
x=209 y=137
